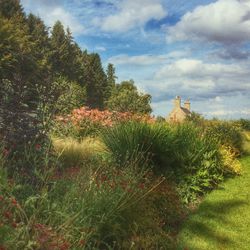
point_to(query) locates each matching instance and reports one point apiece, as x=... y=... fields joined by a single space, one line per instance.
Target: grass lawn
x=222 y=220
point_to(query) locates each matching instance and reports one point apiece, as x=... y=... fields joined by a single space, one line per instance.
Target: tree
x=65 y=54
x=11 y=8
x=96 y=82
x=71 y=95
x=126 y=98
x=111 y=78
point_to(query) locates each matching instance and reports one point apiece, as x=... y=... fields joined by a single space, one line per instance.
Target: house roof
x=186 y=111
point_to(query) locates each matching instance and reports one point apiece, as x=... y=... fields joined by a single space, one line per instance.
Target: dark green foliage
x=64 y=53
x=126 y=98
x=10 y=8
x=96 y=82
x=39 y=36
x=111 y=78
x=70 y=96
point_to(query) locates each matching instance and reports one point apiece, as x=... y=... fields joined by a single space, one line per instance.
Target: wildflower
x=82 y=242
x=141 y=186
x=65 y=246
x=7 y=214
x=14 y=202
x=14 y=225
x=6 y=152
x=37 y=146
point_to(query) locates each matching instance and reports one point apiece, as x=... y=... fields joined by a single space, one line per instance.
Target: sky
x=197 y=49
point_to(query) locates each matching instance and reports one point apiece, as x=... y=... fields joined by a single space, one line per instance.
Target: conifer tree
x=111 y=78
x=11 y=8
x=65 y=54
x=96 y=82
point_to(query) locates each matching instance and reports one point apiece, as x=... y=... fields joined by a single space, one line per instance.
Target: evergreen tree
x=111 y=78
x=65 y=54
x=96 y=82
x=11 y=8
x=57 y=42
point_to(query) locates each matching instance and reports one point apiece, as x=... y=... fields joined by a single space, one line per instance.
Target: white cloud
x=225 y=21
x=226 y=112
x=197 y=79
x=147 y=59
x=132 y=13
x=100 y=48
x=196 y=69
x=52 y=11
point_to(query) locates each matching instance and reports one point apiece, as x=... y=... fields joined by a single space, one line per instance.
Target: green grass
x=222 y=220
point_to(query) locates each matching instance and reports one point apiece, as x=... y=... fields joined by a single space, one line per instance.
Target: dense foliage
x=125 y=97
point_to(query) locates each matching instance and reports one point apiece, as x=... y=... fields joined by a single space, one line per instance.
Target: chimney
x=187 y=104
x=177 y=102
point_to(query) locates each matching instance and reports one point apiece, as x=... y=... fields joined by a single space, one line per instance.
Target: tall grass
x=74 y=153
x=97 y=209
x=141 y=142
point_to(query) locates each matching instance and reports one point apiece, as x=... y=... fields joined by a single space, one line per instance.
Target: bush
x=198 y=163
x=227 y=134
x=84 y=122
x=245 y=124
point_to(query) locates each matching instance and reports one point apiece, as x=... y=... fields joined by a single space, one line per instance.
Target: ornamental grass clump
x=140 y=142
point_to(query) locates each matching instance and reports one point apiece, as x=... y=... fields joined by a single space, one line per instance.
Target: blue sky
x=196 y=49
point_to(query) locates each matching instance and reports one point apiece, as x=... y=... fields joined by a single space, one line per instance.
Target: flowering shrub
x=84 y=121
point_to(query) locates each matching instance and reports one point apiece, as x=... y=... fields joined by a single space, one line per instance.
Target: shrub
x=198 y=165
x=84 y=122
x=245 y=124
x=227 y=134
x=231 y=165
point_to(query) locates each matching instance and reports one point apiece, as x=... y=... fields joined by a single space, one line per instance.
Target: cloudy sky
x=198 y=49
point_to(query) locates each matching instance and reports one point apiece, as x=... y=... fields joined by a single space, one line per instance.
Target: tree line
x=34 y=56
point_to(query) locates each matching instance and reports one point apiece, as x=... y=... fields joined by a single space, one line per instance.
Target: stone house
x=179 y=113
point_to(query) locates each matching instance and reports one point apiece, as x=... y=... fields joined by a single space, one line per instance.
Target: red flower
x=14 y=202
x=7 y=215
x=13 y=224
x=6 y=152
x=65 y=246
x=82 y=242
x=141 y=186
x=37 y=146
